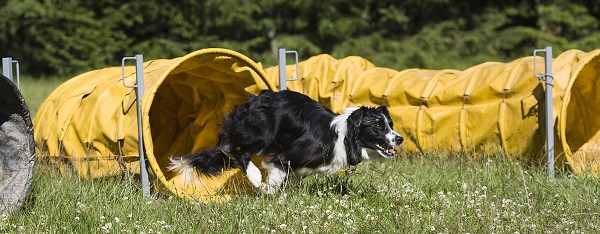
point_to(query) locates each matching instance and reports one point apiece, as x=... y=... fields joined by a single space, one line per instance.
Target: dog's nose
x=399 y=139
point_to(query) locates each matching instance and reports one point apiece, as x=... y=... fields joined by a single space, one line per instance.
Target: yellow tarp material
x=486 y=109
x=89 y=122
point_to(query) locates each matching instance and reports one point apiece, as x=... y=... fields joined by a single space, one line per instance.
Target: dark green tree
x=63 y=37
x=54 y=37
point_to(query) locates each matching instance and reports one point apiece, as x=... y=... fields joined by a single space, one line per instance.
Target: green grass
x=428 y=193
x=415 y=194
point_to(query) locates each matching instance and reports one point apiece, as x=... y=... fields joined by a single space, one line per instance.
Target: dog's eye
x=378 y=126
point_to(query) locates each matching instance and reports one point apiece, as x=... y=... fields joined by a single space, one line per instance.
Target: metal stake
x=282 y=62
x=547 y=77
x=7 y=69
x=139 y=93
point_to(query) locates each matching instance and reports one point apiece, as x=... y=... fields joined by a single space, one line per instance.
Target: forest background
x=67 y=37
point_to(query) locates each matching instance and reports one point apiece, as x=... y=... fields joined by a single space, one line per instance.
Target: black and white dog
x=298 y=135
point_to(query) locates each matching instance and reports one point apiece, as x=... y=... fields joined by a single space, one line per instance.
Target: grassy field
x=413 y=193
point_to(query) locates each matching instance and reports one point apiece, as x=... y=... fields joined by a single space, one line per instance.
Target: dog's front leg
x=252 y=172
x=276 y=177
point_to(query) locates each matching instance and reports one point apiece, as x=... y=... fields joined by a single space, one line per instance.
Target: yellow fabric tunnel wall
x=89 y=122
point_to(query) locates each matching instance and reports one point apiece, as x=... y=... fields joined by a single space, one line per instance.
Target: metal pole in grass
x=7 y=69
x=547 y=77
x=139 y=93
x=282 y=62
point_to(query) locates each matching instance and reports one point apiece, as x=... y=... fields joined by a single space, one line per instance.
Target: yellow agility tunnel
x=88 y=122
x=486 y=109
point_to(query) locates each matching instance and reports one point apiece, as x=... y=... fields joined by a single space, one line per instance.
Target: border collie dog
x=296 y=134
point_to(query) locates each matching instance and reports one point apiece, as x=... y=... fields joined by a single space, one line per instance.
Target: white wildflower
x=106 y=228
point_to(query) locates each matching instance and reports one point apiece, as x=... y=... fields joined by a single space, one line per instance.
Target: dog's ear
x=355 y=119
x=353 y=150
x=384 y=110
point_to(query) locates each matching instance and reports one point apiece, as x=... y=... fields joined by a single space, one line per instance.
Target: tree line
x=66 y=37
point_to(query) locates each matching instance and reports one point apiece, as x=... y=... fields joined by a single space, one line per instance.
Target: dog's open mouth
x=385 y=150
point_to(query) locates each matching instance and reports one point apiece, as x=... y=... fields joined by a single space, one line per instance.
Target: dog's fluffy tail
x=207 y=162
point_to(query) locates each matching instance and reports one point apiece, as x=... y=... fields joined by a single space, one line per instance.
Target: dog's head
x=370 y=128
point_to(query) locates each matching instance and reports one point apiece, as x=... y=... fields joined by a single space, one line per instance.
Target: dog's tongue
x=390 y=151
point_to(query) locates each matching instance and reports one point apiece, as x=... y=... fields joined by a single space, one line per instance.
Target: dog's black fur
x=298 y=133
